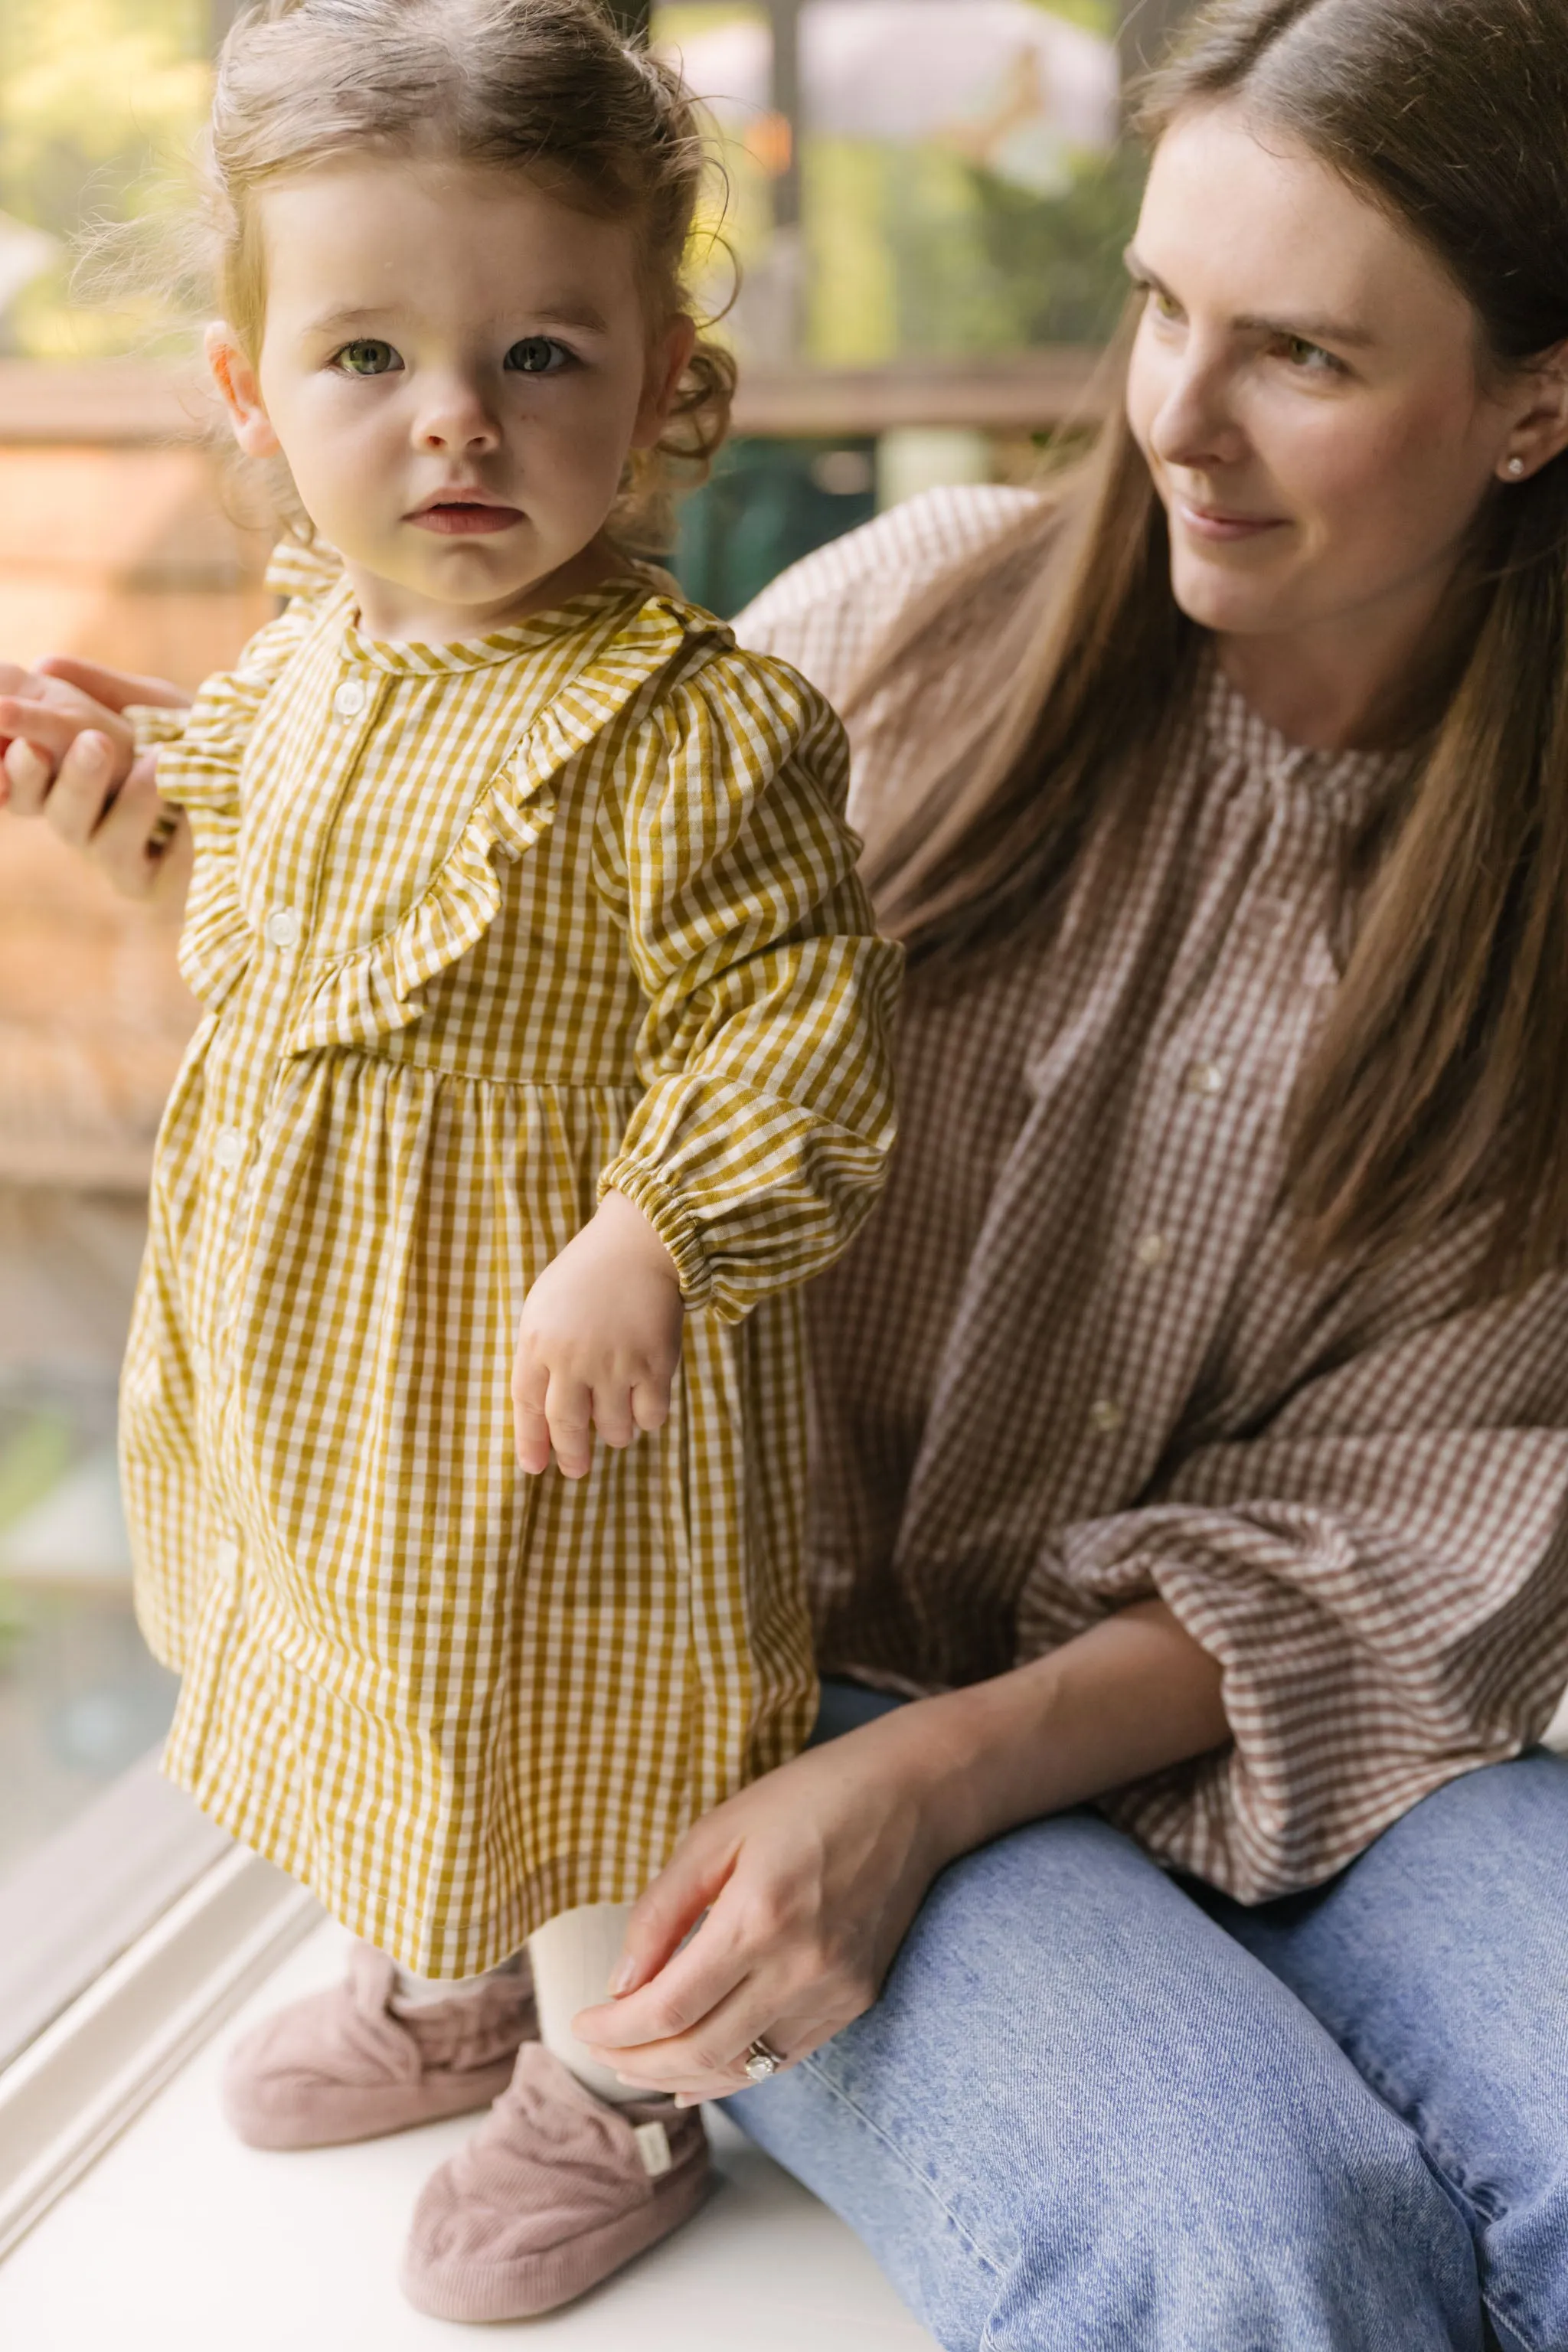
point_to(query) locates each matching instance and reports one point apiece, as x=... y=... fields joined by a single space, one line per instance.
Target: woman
x=1192 y=1416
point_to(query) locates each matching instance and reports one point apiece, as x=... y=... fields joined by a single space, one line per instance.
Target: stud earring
x=1515 y=469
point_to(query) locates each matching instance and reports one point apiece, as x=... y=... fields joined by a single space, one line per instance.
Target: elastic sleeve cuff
x=153 y=723
x=671 y=1220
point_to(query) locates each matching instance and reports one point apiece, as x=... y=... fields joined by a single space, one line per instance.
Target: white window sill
x=178 y=2240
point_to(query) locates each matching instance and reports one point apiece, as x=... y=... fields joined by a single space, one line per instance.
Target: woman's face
x=1305 y=386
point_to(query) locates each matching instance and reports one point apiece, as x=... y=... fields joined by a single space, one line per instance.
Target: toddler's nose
x=455 y=418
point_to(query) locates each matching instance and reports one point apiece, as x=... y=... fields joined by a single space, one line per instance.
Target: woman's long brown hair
x=1439 y=1083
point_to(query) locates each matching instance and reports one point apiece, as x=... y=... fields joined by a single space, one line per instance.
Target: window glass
x=112 y=544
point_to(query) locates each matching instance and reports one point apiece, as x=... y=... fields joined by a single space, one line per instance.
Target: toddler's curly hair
x=546 y=86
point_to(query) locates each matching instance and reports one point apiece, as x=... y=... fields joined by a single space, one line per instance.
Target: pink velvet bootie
x=555 y=2189
x=345 y=2065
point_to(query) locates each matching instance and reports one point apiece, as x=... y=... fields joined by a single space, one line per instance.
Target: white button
x=1106 y=1416
x=228 y=1149
x=1152 y=1250
x=1204 y=1078
x=225 y=1557
x=350 y=698
x=282 y=927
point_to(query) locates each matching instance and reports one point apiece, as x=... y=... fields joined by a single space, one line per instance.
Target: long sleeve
x=764 y=1134
x=1381 y=1570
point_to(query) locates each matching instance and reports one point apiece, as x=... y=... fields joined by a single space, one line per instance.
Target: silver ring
x=761 y=2062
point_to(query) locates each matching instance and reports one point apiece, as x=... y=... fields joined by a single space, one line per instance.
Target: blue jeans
x=1098 y=2110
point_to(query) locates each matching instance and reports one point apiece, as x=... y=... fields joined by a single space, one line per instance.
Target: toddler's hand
x=41 y=717
x=598 y=1343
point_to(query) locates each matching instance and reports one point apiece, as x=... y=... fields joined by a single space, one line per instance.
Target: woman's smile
x=1218 y=525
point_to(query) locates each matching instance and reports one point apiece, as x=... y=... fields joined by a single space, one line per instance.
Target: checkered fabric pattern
x=481 y=930
x=1074 y=1360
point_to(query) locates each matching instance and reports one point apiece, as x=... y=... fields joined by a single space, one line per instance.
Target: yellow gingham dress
x=480 y=930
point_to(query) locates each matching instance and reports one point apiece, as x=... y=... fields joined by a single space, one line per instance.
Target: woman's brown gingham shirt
x=1072 y=1361
x=482 y=928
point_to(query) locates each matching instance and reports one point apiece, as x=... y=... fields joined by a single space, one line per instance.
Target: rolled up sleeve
x=1385 y=1592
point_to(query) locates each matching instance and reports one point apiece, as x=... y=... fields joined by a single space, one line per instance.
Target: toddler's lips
x=462 y=518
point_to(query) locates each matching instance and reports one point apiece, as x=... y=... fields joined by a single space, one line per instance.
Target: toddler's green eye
x=367 y=359
x=538 y=356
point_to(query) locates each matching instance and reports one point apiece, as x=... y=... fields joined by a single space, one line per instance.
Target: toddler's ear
x=241 y=394
x=666 y=365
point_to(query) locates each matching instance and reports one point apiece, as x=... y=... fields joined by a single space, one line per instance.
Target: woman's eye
x=1163 y=306
x=367 y=359
x=1311 y=358
x=538 y=356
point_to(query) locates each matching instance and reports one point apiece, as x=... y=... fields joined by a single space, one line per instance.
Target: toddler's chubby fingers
x=53 y=727
x=613 y=1413
x=531 y=1423
x=88 y=775
x=28 y=774
x=650 y=1399
x=50 y=752
x=568 y=1409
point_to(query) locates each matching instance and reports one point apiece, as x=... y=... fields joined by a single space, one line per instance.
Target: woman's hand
x=69 y=758
x=598 y=1343
x=809 y=1879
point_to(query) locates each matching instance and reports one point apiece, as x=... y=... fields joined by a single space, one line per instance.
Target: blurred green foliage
x=919 y=253
x=36 y=1452
x=101 y=101
x=1059 y=257
x=913 y=250
x=37 y=1449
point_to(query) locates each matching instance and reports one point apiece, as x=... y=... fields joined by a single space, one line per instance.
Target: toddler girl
x=542 y=1007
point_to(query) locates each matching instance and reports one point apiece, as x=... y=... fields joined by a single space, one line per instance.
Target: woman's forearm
x=810 y=1877
x=1131 y=1696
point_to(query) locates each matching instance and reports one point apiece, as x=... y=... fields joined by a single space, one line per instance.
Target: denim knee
x=1338 y=2243
x=1081 y=2116
x=1327 y=2250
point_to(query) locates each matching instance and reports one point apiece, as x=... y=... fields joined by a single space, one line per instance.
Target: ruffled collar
x=411 y=657
x=1350 y=783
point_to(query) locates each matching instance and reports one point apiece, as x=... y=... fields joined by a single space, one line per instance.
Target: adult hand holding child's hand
x=68 y=755
x=598 y=1343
